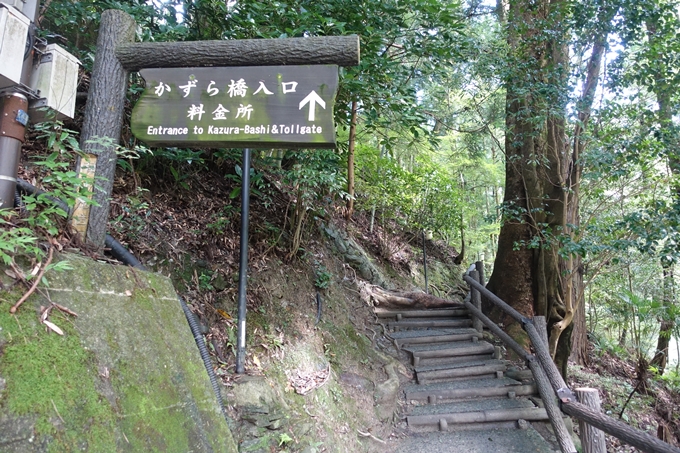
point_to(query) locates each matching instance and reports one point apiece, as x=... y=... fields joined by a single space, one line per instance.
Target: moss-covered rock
x=126 y=375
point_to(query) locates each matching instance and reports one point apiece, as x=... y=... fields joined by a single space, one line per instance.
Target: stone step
x=435 y=393
x=431 y=313
x=407 y=337
x=491 y=368
x=427 y=323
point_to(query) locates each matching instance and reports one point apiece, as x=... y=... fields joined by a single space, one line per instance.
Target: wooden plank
x=426 y=324
x=471 y=372
x=459 y=393
x=492 y=415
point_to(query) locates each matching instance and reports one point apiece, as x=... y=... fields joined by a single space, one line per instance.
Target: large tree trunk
x=662 y=90
x=527 y=270
x=104 y=117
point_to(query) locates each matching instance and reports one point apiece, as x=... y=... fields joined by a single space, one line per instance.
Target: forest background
x=540 y=136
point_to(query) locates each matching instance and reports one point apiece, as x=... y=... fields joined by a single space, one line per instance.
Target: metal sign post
x=243 y=263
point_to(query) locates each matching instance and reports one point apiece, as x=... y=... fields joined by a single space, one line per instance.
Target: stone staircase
x=461 y=391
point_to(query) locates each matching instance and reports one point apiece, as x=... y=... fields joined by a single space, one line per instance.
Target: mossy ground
x=41 y=369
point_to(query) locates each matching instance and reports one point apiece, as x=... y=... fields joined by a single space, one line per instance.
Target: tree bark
x=662 y=90
x=527 y=269
x=100 y=134
x=585 y=104
x=317 y=50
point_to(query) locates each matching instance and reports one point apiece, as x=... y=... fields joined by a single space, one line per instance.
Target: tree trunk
x=584 y=106
x=662 y=90
x=527 y=269
x=350 y=161
x=104 y=116
x=339 y=50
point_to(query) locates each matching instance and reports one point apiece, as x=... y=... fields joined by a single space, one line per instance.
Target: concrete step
x=435 y=393
x=431 y=313
x=465 y=370
x=409 y=337
x=428 y=323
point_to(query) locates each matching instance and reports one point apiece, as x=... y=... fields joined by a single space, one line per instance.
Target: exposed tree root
x=378 y=296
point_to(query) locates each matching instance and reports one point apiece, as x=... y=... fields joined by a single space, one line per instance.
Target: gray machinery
x=35 y=78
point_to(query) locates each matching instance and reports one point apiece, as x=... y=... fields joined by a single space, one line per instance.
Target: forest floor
x=188 y=228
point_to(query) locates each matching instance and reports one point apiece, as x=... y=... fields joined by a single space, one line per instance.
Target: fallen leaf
x=224 y=314
x=257 y=361
x=11 y=273
x=53 y=327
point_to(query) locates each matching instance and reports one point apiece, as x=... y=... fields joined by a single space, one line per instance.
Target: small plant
x=284 y=439
x=322 y=277
x=133 y=220
x=205 y=281
x=221 y=220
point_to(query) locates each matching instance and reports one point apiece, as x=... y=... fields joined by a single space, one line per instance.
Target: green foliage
x=42 y=216
x=134 y=218
x=322 y=276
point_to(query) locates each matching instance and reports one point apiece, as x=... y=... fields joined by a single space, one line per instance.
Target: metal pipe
x=243 y=264
x=13 y=119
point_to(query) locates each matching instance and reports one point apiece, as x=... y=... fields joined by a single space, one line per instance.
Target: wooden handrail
x=544 y=370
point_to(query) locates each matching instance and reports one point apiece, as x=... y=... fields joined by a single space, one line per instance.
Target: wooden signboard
x=238 y=107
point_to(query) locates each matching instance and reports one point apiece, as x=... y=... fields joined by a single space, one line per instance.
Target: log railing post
x=479 y=265
x=542 y=327
x=591 y=437
x=476 y=300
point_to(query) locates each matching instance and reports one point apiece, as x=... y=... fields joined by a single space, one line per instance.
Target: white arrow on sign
x=312 y=99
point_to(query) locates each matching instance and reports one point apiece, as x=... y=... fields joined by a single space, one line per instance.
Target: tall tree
x=540 y=170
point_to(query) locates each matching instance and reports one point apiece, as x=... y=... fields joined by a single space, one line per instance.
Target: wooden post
x=542 y=327
x=476 y=300
x=591 y=437
x=479 y=265
x=104 y=118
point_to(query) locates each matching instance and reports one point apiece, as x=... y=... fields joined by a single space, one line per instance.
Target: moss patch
x=126 y=376
x=53 y=377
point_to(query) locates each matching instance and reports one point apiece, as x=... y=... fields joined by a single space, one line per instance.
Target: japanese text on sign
x=253 y=106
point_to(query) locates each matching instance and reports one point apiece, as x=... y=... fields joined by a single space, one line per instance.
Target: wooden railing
x=556 y=395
